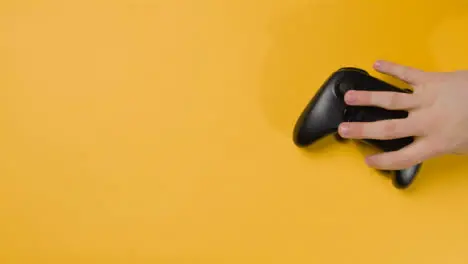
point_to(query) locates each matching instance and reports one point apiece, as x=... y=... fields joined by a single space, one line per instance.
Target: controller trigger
x=345 y=69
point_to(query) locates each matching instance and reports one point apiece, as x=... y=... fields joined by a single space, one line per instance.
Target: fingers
x=387 y=100
x=382 y=130
x=404 y=158
x=405 y=73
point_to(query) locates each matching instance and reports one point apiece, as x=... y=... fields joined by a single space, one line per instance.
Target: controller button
x=344 y=87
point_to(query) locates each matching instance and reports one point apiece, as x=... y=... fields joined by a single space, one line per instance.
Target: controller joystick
x=327 y=110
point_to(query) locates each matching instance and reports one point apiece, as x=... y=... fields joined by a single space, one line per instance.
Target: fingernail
x=350 y=97
x=370 y=161
x=377 y=64
x=344 y=129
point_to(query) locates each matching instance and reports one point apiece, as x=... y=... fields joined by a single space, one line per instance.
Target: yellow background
x=146 y=131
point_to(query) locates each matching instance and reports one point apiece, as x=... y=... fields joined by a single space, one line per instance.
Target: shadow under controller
x=327 y=110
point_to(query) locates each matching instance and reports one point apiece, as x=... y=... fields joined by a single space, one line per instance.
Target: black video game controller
x=327 y=110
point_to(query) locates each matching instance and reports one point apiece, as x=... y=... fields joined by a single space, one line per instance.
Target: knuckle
x=393 y=101
x=413 y=101
x=425 y=124
x=437 y=147
x=406 y=163
x=403 y=73
x=389 y=129
x=417 y=129
x=420 y=127
x=405 y=160
x=409 y=160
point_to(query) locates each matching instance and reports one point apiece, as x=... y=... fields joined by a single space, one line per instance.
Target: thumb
x=406 y=157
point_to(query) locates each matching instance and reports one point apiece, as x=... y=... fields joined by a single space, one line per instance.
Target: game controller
x=327 y=109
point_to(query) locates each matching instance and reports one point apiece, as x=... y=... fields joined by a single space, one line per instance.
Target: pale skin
x=438 y=116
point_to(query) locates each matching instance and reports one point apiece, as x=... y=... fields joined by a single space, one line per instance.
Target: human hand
x=438 y=116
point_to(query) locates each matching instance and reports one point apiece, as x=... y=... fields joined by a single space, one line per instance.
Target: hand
x=438 y=116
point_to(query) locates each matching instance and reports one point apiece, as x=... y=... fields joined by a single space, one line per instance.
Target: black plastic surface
x=327 y=110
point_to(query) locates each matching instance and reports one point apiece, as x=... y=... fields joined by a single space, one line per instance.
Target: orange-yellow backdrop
x=146 y=131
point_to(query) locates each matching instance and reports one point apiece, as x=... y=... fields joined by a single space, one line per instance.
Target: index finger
x=405 y=73
x=387 y=100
